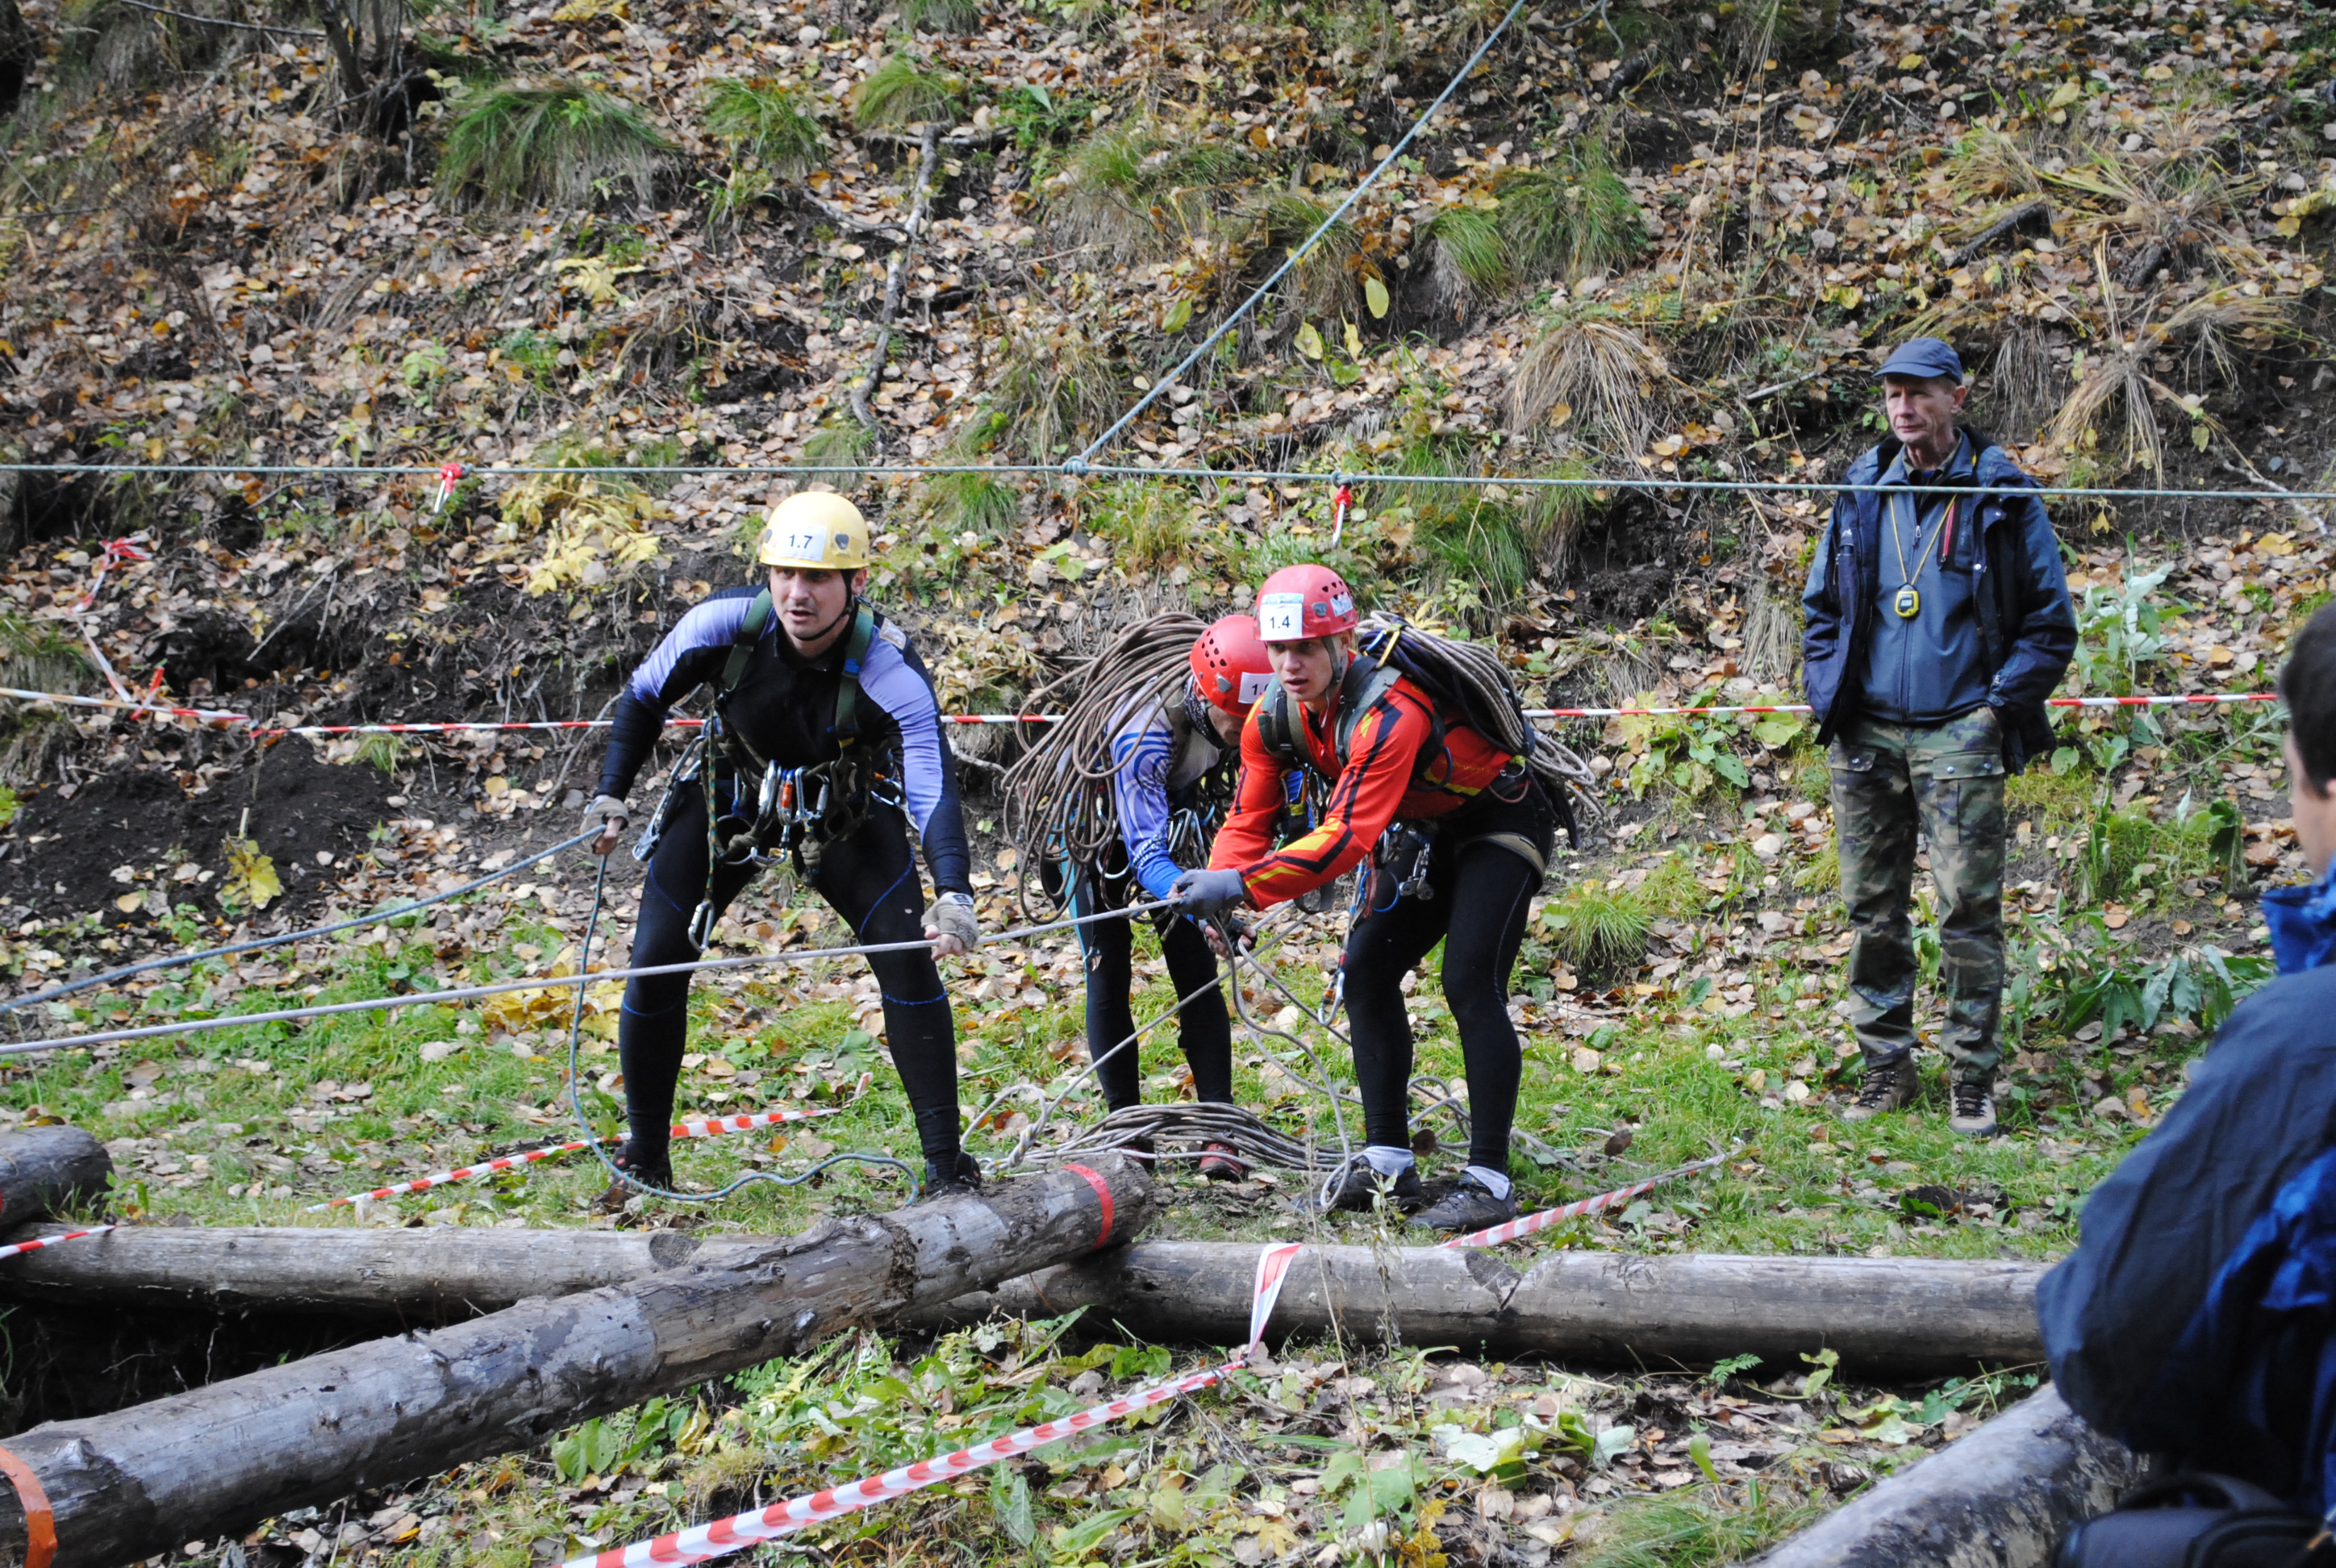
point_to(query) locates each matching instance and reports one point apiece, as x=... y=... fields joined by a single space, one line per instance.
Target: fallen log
x=1897 y=1315
x=44 y=1169
x=428 y=1276
x=2004 y=1494
x=116 y=1488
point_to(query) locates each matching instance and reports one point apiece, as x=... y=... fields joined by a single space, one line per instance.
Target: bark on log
x=210 y=1463
x=1899 y=1315
x=43 y=1169
x=430 y=1276
x=2002 y=1496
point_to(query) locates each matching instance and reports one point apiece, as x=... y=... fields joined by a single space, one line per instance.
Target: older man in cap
x=1938 y=622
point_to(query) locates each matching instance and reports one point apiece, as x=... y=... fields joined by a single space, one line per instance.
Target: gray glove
x=607 y=813
x=951 y=917
x=1210 y=892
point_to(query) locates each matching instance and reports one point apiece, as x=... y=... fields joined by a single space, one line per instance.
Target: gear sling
x=800 y=810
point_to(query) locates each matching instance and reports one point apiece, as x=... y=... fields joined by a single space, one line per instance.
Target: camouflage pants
x=1947 y=780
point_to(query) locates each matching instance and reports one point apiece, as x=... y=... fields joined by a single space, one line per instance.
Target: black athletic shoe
x=1360 y=1186
x=1469 y=1206
x=952 y=1180
x=652 y=1170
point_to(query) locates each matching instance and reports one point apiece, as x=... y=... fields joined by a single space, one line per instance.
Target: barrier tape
x=1526 y=1225
x=223 y=716
x=740 y=1531
x=37 y=1242
x=40 y=1519
x=707 y=1127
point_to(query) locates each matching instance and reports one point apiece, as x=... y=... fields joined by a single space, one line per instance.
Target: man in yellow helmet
x=815 y=697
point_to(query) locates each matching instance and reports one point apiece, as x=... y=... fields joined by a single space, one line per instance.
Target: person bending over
x=1463 y=831
x=1125 y=794
x=2196 y=1320
x=819 y=702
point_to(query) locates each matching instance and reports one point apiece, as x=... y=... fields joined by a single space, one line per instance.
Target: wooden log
x=116 y=1488
x=44 y=1168
x=2003 y=1496
x=1897 y=1315
x=428 y=1276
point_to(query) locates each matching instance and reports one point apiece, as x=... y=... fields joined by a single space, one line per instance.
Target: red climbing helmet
x=1299 y=602
x=1230 y=666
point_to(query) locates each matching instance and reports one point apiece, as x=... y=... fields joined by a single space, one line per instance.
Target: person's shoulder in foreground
x=2122 y=1315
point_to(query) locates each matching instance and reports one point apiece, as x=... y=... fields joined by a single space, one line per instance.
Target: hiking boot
x=1888 y=1085
x=1360 y=1187
x=1470 y=1206
x=951 y=1179
x=650 y=1170
x=1974 y=1113
x=1220 y=1164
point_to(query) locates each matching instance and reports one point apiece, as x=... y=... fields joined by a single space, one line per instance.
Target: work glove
x=607 y=813
x=1210 y=892
x=950 y=926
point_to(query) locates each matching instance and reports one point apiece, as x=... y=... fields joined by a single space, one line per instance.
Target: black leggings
x=870 y=879
x=1205 y=1031
x=1481 y=890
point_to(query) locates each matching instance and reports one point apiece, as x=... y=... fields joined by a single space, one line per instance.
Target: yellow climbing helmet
x=817 y=529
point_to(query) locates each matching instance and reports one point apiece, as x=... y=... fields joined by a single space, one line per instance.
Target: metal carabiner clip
x=1417 y=885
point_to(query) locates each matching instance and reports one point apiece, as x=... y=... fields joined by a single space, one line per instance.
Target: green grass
x=1321 y=285
x=843 y=443
x=940 y=15
x=1144 y=184
x=564 y=145
x=1151 y=523
x=1703 y=1527
x=764 y=121
x=1051 y=393
x=1469 y=241
x=1571 y=217
x=905 y=90
x=982 y=502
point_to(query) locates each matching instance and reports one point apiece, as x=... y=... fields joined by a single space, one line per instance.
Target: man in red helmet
x=1149 y=747
x=1473 y=834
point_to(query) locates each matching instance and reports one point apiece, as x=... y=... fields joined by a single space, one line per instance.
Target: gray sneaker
x=1974 y=1113
x=1888 y=1087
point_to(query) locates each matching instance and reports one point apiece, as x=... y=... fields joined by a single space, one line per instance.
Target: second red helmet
x=1229 y=665
x=1305 y=601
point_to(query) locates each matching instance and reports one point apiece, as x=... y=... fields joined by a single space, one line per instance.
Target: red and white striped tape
x=224 y=717
x=706 y=1127
x=37 y=1242
x=741 y=1530
x=1527 y=1224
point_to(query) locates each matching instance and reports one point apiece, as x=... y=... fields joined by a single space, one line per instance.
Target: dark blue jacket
x=2136 y=1349
x=2302 y=923
x=2027 y=627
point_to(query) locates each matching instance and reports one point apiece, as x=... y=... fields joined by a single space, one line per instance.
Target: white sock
x=1491 y=1180
x=1388 y=1160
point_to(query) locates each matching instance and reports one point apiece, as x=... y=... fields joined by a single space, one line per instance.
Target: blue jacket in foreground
x=2193 y=1318
x=2027 y=626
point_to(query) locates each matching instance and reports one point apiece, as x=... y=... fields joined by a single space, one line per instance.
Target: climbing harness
x=774 y=810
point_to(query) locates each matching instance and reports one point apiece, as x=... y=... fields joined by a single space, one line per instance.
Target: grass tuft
x=1702 y=1528
x=764 y=121
x=904 y=90
x=1143 y=186
x=1323 y=283
x=561 y=145
x=1050 y=391
x=1597 y=378
x=980 y=502
x=1571 y=218
x=940 y=15
x=1472 y=258
x=1151 y=523
x=843 y=443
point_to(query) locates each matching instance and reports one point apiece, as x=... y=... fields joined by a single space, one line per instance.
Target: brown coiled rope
x=1058 y=794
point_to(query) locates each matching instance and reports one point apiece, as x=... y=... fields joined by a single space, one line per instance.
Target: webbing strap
x=742 y=641
x=847 y=690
